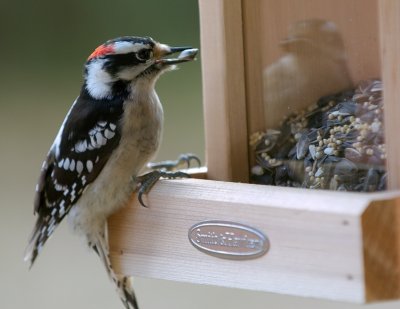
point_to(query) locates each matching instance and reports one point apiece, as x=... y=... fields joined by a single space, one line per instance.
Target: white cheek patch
x=98 y=81
x=131 y=72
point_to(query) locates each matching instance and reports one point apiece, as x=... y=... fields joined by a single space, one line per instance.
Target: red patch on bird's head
x=101 y=51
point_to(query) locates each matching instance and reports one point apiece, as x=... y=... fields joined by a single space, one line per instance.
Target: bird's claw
x=163 y=169
x=170 y=165
x=147 y=181
x=187 y=158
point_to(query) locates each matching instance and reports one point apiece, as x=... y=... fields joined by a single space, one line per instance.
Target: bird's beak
x=187 y=53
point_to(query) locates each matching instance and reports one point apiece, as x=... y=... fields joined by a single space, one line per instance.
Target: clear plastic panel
x=322 y=96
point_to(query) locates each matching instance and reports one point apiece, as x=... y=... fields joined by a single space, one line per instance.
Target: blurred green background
x=43 y=45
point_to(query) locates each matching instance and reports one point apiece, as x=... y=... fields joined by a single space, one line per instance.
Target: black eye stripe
x=124 y=59
x=116 y=62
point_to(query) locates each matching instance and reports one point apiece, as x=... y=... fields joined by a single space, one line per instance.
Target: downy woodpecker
x=111 y=131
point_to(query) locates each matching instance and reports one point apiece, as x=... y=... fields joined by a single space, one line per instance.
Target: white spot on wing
x=102 y=123
x=79 y=167
x=73 y=196
x=93 y=131
x=81 y=146
x=72 y=165
x=60 y=163
x=100 y=139
x=62 y=208
x=89 y=165
x=51 y=229
x=93 y=142
x=109 y=134
x=112 y=126
x=58 y=187
x=66 y=164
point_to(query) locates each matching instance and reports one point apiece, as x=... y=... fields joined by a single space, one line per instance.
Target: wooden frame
x=341 y=240
x=223 y=90
x=348 y=241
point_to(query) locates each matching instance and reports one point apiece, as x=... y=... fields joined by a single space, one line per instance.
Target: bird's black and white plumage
x=111 y=131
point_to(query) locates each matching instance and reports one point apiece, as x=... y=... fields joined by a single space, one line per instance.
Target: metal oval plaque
x=228 y=240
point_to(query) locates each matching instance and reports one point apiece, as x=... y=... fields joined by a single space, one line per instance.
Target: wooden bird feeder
x=325 y=244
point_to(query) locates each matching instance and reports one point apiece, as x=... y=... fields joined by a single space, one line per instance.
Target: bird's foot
x=147 y=181
x=170 y=165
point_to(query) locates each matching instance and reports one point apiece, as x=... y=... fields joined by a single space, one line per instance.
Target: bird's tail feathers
x=123 y=284
x=42 y=231
x=32 y=250
x=30 y=254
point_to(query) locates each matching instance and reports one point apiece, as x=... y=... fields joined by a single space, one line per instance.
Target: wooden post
x=223 y=90
x=381 y=243
x=389 y=23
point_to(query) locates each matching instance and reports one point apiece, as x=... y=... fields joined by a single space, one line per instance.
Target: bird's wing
x=82 y=147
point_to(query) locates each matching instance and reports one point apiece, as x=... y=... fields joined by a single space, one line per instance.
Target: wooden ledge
x=333 y=245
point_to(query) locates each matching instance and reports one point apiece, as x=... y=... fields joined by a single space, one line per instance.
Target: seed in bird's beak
x=173 y=50
x=187 y=54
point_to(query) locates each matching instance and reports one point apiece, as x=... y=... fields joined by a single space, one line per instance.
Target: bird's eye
x=144 y=54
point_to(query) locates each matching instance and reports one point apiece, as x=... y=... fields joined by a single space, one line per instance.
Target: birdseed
x=337 y=144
